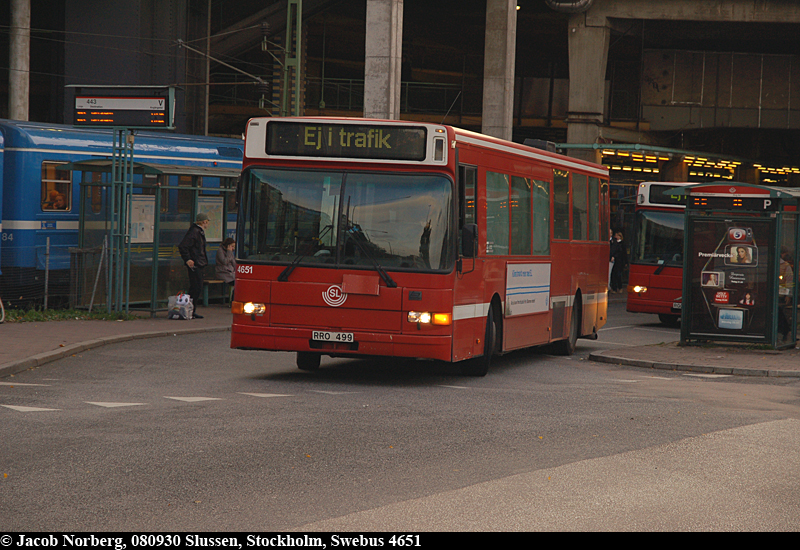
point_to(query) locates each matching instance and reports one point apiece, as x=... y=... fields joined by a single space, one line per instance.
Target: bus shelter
x=740 y=264
x=163 y=203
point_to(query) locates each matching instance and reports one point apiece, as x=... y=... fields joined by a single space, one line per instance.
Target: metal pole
x=128 y=183
x=46 y=271
x=208 y=65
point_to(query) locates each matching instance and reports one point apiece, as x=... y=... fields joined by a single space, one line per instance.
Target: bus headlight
x=251 y=308
x=637 y=289
x=426 y=318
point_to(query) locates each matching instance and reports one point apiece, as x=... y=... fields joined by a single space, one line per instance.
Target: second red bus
x=655 y=279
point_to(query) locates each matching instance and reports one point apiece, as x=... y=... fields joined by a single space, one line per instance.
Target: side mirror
x=469 y=240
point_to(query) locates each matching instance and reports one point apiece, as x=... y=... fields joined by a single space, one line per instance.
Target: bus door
x=469 y=311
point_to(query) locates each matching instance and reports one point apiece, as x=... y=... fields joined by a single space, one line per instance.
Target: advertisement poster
x=729 y=266
x=527 y=289
x=212 y=206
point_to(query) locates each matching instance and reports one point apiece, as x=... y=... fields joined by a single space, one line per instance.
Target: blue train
x=46 y=194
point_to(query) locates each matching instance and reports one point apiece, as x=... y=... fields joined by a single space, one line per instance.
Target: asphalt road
x=184 y=434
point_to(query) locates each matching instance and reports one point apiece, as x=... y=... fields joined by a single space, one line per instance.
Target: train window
x=56 y=187
x=186 y=198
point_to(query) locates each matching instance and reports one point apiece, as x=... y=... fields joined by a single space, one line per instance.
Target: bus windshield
x=338 y=218
x=659 y=238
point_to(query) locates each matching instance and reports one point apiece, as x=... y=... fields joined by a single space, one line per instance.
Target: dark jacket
x=193 y=246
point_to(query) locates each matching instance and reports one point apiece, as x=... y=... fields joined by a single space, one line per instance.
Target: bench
x=214 y=282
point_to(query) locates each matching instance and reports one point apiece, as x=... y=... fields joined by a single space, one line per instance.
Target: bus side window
x=594 y=199
x=561 y=204
x=580 y=210
x=541 y=217
x=497 y=215
x=467 y=180
x=467 y=176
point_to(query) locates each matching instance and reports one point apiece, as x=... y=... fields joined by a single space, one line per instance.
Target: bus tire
x=479 y=366
x=570 y=344
x=307 y=360
x=669 y=320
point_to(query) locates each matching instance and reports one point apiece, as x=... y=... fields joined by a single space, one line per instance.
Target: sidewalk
x=721 y=358
x=26 y=345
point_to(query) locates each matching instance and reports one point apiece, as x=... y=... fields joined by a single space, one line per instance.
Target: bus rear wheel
x=307 y=360
x=479 y=366
x=568 y=346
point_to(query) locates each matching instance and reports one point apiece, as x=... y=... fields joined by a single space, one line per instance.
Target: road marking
x=621 y=381
x=193 y=399
x=266 y=394
x=27 y=409
x=454 y=387
x=708 y=375
x=618 y=344
x=112 y=405
x=334 y=392
x=19 y=384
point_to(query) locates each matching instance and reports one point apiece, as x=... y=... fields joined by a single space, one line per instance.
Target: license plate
x=324 y=336
x=676 y=305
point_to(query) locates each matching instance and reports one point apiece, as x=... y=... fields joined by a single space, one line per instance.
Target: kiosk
x=740 y=264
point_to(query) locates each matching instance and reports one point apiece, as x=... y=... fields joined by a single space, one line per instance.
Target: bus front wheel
x=479 y=366
x=307 y=360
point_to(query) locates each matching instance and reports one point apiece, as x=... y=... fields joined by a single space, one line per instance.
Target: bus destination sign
x=382 y=142
x=139 y=112
x=658 y=196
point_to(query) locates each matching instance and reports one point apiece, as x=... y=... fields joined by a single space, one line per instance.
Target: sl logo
x=334 y=296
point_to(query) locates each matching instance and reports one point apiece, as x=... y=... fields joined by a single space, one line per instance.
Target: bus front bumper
x=364 y=343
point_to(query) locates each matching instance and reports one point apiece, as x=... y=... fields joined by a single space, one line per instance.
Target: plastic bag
x=180 y=307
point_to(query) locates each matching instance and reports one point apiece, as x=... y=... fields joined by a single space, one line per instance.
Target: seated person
x=60 y=203
x=51 y=198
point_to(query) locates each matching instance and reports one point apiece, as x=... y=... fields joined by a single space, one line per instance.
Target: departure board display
x=356 y=141
x=151 y=112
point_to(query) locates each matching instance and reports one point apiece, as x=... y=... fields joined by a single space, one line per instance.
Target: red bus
x=655 y=278
x=364 y=237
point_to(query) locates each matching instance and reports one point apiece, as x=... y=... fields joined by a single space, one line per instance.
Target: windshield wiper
x=385 y=276
x=284 y=276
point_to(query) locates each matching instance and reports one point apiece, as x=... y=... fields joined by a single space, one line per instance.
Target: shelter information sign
x=728 y=266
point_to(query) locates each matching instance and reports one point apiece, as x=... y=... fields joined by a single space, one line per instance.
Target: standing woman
x=226 y=261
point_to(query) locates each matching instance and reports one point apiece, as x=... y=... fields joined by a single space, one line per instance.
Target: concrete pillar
x=674 y=170
x=498 y=68
x=588 y=58
x=383 y=59
x=19 y=60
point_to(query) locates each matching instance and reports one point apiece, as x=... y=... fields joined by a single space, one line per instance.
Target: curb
x=13 y=367
x=600 y=357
